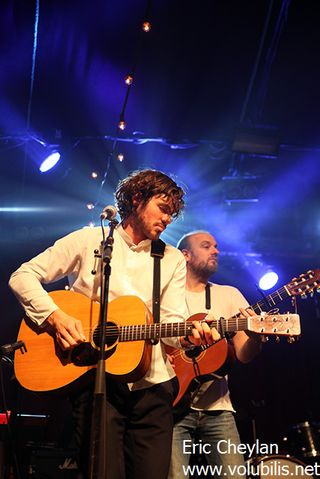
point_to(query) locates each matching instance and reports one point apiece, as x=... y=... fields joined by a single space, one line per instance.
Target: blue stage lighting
x=268 y=280
x=43 y=154
x=49 y=161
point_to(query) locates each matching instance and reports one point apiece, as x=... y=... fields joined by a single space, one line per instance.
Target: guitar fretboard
x=166 y=330
x=235 y=324
x=271 y=300
x=142 y=332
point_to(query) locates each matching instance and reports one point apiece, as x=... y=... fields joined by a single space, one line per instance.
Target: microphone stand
x=97 y=464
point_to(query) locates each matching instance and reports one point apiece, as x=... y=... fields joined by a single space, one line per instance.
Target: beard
x=203 y=268
x=146 y=228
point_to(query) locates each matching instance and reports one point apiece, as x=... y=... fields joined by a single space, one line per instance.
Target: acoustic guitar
x=129 y=331
x=203 y=361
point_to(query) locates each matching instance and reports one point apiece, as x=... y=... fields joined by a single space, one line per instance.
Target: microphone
x=108 y=213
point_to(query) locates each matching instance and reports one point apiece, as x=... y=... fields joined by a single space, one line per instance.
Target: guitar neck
x=166 y=330
x=271 y=300
x=235 y=323
x=141 y=332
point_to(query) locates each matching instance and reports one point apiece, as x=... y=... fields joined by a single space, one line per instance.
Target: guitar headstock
x=275 y=324
x=305 y=283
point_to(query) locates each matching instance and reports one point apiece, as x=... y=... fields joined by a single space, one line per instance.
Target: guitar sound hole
x=84 y=355
x=112 y=334
x=193 y=353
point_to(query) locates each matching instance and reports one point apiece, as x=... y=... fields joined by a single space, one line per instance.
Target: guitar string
x=233 y=321
x=272 y=296
x=180 y=325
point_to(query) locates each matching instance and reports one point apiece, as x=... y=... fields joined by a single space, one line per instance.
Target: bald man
x=210 y=418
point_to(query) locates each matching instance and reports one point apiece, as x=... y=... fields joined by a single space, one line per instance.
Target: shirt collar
x=144 y=244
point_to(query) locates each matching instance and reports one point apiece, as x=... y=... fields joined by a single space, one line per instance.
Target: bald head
x=184 y=242
x=201 y=253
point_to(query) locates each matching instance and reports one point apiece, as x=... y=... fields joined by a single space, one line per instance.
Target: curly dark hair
x=146 y=184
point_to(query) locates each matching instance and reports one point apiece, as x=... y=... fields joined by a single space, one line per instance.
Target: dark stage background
x=226 y=98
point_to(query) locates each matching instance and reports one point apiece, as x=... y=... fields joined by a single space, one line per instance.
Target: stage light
x=120 y=157
x=45 y=155
x=52 y=158
x=257 y=141
x=129 y=80
x=263 y=274
x=268 y=280
x=241 y=189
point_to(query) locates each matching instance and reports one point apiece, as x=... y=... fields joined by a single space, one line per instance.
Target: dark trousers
x=139 y=430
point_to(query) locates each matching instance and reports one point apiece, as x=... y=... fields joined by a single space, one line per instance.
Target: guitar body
x=202 y=364
x=45 y=367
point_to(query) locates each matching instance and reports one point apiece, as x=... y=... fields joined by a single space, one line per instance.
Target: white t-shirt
x=225 y=302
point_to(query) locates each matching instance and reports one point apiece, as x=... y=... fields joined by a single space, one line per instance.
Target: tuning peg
x=304 y=296
x=265 y=339
x=277 y=339
x=291 y=339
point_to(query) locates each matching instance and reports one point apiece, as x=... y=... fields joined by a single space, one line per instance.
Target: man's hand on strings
x=69 y=331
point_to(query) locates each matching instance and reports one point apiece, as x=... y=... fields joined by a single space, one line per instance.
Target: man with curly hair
x=139 y=416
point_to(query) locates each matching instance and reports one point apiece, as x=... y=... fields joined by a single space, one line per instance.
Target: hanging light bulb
x=146 y=27
x=129 y=80
x=121 y=124
x=120 y=157
x=90 y=206
x=94 y=175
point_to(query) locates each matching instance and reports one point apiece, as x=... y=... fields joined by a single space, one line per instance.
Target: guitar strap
x=157 y=252
x=208 y=306
x=208 y=296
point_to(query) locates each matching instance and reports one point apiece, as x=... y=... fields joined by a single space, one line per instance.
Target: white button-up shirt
x=132 y=274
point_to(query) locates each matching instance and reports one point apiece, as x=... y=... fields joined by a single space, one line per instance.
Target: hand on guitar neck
x=247 y=344
x=202 y=334
x=68 y=330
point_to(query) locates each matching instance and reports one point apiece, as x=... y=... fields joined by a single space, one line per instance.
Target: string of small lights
x=145 y=27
